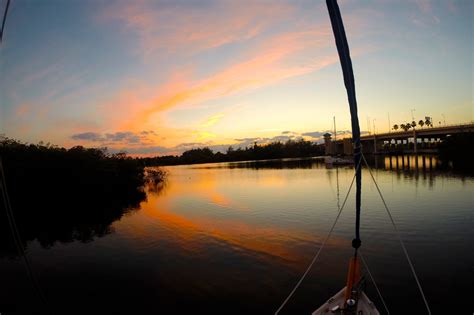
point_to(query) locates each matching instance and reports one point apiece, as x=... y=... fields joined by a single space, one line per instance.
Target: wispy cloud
x=145 y=137
x=190 y=28
x=143 y=143
x=428 y=17
x=288 y=52
x=121 y=142
x=88 y=136
x=211 y=121
x=264 y=65
x=272 y=52
x=424 y=5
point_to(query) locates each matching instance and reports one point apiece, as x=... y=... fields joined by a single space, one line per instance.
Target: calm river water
x=233 y=238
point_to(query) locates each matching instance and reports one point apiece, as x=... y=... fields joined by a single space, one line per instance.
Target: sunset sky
x=152 y=77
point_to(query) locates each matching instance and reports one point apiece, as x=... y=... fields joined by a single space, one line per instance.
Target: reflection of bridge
x=425 y=140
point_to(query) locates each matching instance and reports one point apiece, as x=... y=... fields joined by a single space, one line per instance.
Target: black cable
x=4 y=20
x=17 y=237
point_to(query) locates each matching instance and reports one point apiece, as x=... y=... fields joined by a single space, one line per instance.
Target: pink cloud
x=424 y=5
x=277 y=57
x=426 y=8
x=267 y=64
x=192 y=29
x=302 y=48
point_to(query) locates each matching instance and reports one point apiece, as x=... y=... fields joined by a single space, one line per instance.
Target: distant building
x=343 y=146
x=328 y=144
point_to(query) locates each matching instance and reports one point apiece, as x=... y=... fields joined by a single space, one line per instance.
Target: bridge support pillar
x=415 y=142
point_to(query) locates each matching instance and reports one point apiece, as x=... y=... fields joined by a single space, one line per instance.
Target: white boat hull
x=338 y=161
x=335 y=304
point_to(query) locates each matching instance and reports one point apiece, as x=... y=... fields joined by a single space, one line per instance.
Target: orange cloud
x=266 y=65
x=211 y=121
x=277 y=56
x=190 y=28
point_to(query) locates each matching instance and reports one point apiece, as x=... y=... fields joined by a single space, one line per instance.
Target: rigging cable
x=6 y=202
x=399 y=237
x=320 y=248
x=4 y=19
x=17 y=237
x=373 y=281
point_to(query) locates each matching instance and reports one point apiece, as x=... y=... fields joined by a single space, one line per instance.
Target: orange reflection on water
x=411 y=162
x=273 y=181
x=221 y=200
x=186 y=214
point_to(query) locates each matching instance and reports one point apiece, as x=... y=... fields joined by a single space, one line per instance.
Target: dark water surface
x=233 y=238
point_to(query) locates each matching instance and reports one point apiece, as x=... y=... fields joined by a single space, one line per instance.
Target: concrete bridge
x=418 y=140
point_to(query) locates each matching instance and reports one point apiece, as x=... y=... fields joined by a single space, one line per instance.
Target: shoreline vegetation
x=274 y=150
x=64 y=195
x=454 y=153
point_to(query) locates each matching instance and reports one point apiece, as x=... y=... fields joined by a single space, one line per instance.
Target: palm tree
x=413 y=124
x=421 y=123
x=395 y=127
x=405 y=127
x=428 y=121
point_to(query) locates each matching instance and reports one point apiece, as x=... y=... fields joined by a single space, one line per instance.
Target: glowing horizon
x=155 y=78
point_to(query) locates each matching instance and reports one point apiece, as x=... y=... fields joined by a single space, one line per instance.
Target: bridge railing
x=397 y=132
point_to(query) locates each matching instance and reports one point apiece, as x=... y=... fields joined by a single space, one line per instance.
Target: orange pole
x=353 y=276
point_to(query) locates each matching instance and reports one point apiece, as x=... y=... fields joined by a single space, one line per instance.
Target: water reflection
x=200 y=205
x=290 y=163
x=224 y=221
x=80 y=216
x=276 y=213
x=411 y=162
x=240 y=234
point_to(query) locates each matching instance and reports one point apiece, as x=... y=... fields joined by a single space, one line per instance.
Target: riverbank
x=275 y=150
x=215 y=228
x=72 y=194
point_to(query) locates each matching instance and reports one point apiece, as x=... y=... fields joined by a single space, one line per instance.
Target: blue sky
x=154 y=77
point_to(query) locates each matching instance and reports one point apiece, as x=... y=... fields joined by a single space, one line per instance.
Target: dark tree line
x=60 y=194
x=274 y=150
x=457 y=149
x=428 y=122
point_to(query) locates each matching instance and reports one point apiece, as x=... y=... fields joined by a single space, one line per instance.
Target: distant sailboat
x=330 y=161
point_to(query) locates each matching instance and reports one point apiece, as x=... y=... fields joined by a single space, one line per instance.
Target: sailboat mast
x=346 y=64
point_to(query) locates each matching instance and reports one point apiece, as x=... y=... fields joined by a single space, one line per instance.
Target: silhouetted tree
x=405 y=127
x=273 y=150
x=64 y=195
x=428 y=121
x=454 y=150
x=203 y=155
